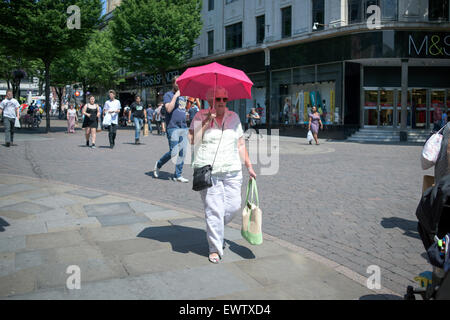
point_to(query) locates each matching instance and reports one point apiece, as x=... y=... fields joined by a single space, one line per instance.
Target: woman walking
x=158 y=119
x=72 y=119
x=218 y=139
x=253 y=121
x=91 y=114
x=111 y=109
x=314 y=122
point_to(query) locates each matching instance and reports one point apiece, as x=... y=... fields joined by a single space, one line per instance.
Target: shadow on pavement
x=163 y=175
x=408 y=226
x=186 y=239
x=381 y=297
x=3 y=224
x=134 y=144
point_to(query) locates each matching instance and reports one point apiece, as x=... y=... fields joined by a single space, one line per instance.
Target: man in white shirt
x=11 y=111
x=112 y=107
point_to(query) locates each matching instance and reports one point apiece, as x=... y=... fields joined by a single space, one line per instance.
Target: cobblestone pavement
x=352 y=203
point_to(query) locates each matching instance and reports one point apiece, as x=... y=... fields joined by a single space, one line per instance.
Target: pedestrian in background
x=218 y=139
x=253 y=122
x=314 y=122
x=112 y=108
x=158 y=118
x=193 y=111
x=10 y=109
x=139 y=117
x=90 y=123
x=72 y=119
x=177 y=131
x=437 y=118
x=150 y=113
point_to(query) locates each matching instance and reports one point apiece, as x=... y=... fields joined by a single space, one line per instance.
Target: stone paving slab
x=87 y=193
x=96 y=210
x=53 y=240
x=27 y=207
x=6 y=190
x=7 y=263
x=72 y=224
x=142 y=207
x=19 y=228
x=12 y=244
x=165 y=215
x=112 y=233
x=55 y=201
x=120 y=219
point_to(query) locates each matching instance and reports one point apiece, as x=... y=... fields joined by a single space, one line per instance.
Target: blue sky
x=104 y=7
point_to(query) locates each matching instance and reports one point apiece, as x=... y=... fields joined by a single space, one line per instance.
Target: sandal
x=214 y=260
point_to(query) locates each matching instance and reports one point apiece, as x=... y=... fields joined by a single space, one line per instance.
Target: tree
x=39 y=29
x=155 y=35
x=98 y=65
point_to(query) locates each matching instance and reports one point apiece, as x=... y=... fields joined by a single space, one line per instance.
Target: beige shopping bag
x=145 y=129
x=252 y=216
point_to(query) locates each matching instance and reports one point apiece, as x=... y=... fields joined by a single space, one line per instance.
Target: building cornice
x=320 y=35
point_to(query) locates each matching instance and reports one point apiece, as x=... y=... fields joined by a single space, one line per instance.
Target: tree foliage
x=155 y=35
x=99 y=61
x=38 y=29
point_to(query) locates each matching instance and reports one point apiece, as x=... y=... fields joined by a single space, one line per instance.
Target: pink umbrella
x=197 y=81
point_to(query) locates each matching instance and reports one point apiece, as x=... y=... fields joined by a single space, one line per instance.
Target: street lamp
x=316 y=24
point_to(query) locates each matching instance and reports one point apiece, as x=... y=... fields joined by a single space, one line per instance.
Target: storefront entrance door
x=386 y=108
x=379 y=107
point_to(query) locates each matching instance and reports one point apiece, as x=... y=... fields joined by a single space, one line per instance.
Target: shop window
x=233 y=36
x=354 y=11
x=389 y=9
x=318 y=13
x=286 y=22
x=211 y=42
x=260 y=29
x=210 y=5
x=438 y=10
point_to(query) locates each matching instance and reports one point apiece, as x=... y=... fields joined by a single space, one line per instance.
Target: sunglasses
x=221 y=99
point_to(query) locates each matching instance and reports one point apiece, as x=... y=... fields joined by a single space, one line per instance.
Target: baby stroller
x=433 y=213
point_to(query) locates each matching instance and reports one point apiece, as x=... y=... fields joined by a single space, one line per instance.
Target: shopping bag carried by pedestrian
x=252 y=216
x=309 y=137
x=107 y=120
x=17 y=123
x=431 y=149
x=145 y=129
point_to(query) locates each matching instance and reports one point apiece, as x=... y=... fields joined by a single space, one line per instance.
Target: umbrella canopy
x=197 y=81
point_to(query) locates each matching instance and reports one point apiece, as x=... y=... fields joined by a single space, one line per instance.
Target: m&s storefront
x=427 y=55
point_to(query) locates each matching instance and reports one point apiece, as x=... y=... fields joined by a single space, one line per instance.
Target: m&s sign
x=430 y=45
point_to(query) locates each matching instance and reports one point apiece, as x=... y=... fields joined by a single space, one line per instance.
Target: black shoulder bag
x=202 y=176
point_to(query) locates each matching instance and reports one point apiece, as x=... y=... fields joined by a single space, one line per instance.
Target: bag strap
x=248 y=191
x=255 y=191
x=223 y=124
